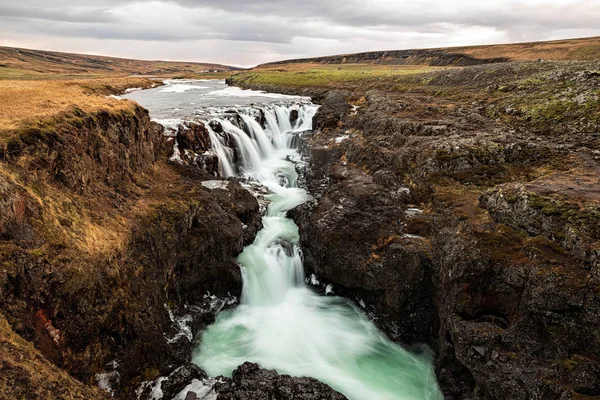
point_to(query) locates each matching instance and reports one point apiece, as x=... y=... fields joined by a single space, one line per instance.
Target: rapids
x=281 y=323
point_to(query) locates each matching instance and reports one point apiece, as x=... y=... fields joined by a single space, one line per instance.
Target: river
x=282 y=322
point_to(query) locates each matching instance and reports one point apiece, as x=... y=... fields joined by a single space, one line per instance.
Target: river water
x=283 y=323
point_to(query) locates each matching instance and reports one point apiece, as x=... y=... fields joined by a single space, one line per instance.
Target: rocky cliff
x=103 y=245
x=458 y=209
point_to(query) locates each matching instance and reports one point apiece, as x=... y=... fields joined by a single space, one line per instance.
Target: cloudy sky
x=246 y=32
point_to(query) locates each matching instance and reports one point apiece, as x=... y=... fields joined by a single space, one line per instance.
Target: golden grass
x=17 y=63
x=23 y=100
x=571 y=49
x=26 y=374
x=67 y=222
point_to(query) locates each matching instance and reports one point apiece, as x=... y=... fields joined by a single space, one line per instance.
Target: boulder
x=250 y=382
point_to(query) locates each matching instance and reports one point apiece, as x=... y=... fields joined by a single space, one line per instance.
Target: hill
x=570 y=49
x=19 y=63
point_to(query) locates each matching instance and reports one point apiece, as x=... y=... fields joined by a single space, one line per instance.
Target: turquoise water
x=281 y=323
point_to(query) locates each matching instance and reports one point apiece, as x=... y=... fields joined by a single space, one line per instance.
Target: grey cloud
x=80 y=15
x=271 y=29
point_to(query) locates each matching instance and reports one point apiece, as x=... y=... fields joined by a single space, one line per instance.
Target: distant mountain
x=16 y=61
x=570 y=49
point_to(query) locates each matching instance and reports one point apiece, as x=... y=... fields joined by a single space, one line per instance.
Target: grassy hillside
x=23 y=63
x=570 y=49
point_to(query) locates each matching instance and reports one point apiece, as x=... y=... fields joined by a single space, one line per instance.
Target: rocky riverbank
x=104 y=244
x=459 y=208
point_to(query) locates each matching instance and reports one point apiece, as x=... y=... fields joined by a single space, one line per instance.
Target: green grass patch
x=324 y=76
x=15 y=73
x=590 y=52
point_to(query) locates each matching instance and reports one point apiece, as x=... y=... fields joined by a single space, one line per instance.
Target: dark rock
x=208 y=162
x=180 y=378
x=332 y=111
x=353 y=238
x=177 y=241
x=245 y=207
x=250 y=382
x=293 y=117
x=499 y=282
x=193 y=136
x=216 y=126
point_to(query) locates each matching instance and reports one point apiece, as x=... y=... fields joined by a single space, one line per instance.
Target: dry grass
x=572 y=49
x=26 y=374
x=23 y=100
x=557 y=50
x=23 y=63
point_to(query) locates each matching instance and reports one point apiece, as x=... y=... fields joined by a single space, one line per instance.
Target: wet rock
x=353 y=237
x=208 y=162
x=180 y=378
x=193 y=136
x=216 y=126
x=293 y=117
x=244 y=205
x=250 y=382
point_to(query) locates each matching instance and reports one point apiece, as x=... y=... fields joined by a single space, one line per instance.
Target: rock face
x=359 y=223
x=331 y=111
x=250 y=382
x=41 y=379
x=102 y=245
x=455 y=230
x=176 y=382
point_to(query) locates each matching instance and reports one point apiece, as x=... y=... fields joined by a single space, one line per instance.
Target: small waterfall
x=282 y=323
x=245 y=148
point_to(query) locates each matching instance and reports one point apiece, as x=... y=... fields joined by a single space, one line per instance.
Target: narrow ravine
x=281 y=323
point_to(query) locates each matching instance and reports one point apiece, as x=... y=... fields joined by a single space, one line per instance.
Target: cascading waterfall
x=281 y=323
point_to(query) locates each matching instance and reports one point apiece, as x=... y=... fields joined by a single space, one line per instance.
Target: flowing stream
x=281 y=322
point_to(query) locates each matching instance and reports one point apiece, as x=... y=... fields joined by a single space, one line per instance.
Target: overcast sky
x=246 y=33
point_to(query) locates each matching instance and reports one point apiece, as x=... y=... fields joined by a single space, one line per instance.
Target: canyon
x=455 y=208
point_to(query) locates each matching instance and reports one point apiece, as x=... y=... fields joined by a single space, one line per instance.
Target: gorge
x=312 y=233
x=282 y=324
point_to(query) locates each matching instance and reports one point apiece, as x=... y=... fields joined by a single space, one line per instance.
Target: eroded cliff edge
x=102 y=243
x=460 y=209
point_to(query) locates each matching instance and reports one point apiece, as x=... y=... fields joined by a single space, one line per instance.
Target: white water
x=281 y=323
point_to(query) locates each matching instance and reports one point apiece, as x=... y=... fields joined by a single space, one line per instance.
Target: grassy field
x=24 y=63
x=24 y=101
x=316 y=75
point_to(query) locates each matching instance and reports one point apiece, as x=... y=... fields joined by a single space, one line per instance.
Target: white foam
x=203 y=390
x=171 y=125
x=313 y=280
x=157 y=393
x=215 y=184
x=180 y=88
x=105 y=380
x=329 y=289
x=237 y=92
x=176 y=157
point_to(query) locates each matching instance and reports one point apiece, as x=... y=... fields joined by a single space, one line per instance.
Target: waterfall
x=281 y=323
x=253 y=143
